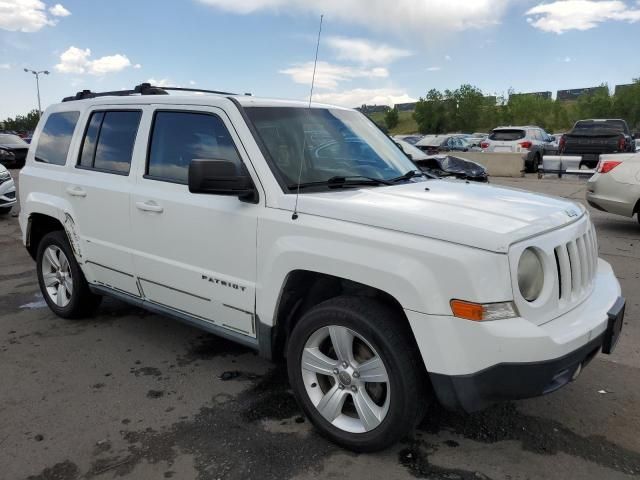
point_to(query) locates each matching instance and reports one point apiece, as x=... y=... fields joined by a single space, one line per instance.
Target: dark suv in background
x=591 y=138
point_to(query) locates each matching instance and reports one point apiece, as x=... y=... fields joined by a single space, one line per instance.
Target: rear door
x=99 y=188
x=194 y=253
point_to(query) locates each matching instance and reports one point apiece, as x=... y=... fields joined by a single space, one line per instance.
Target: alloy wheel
x=56 y=276
x=345 y=379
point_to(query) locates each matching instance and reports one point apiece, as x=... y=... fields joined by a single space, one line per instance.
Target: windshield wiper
x=343 y=181
x=407 y=176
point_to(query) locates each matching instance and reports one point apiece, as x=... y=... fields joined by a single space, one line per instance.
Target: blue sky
x=373 y=51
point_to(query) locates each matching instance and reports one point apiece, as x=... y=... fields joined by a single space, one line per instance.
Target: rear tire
x=533 y=166
x=367 y=415
x=61 y=280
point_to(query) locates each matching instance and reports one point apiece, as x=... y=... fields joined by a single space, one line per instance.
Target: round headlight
x=530 y=275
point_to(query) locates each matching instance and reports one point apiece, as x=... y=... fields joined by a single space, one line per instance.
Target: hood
x=478 y=215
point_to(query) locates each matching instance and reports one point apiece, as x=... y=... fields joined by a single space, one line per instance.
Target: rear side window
x=55 y=138
x=108 y=141
x=179 y=137
x=617 y=125
x=507 y=135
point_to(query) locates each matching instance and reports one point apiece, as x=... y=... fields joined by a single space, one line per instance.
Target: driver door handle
x=76 y=191
x=149 y=206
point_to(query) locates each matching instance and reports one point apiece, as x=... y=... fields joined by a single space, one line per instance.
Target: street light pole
x=37 y=75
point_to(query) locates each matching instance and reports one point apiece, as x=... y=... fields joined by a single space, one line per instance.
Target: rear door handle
x=76 y=191
x=149 y=206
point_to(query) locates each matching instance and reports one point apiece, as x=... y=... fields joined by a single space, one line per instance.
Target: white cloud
x=359 y=96
x=108 y=64
x=434 y=69
x=365 y=52
x=4 y=66
x=564 y=15
x=73 y=60
x=567 y=60
x=28 y=15
x=329 y=75
x=137 y=66
x=447 y=58
x=192 y=82
x=161 y=82
x=423 y=17
x=76 y=60
x=59 y=11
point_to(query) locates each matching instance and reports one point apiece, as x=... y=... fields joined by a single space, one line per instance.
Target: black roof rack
x=142 y=89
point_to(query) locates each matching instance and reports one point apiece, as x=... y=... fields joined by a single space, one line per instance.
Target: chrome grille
x=576 y=262
x=4 y=176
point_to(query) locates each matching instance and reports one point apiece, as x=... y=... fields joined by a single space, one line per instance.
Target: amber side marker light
x=479 y=312
x=467 y=310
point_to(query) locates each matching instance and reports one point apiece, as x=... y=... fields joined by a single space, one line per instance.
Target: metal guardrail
x=563 y=165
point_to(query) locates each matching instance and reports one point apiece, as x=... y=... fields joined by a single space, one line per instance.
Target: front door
x=194 y=253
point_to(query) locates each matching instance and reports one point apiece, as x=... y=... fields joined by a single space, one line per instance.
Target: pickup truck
x=591 y=138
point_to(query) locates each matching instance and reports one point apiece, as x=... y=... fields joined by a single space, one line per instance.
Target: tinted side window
x=90 y=138
x=109 y=140
x=179 y=137
x=55 y=138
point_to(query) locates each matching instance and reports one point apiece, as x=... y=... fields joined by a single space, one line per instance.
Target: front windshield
x=319 y=144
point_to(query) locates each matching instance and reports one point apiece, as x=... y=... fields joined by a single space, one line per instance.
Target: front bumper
x=474 y=364
x=511 y=381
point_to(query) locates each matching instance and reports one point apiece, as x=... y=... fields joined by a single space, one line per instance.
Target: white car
x=303 y=231
x=615 y=187
x=7 y=191
x=533 y=142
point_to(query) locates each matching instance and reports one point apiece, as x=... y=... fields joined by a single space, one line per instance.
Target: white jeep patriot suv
x=304 y=232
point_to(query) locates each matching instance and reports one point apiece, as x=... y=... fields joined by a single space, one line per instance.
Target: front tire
x=5 y=210
x=356 y=373
x=61 y=280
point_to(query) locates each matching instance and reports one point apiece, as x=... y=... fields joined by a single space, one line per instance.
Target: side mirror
x=220 y=177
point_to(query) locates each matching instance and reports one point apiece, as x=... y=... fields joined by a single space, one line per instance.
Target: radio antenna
x=304 y=138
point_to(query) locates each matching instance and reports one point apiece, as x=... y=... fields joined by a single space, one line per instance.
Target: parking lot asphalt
x=128 y=394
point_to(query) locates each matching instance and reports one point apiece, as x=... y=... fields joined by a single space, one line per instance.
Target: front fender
x=422 y=274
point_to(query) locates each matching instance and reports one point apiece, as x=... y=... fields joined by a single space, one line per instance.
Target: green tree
x=466 y=105
x=466 y=109
x=430 y=112
x=391 y=118
x=598 y=104
x=626 y=104
x=22 y=123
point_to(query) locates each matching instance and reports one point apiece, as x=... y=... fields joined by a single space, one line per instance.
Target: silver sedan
x=615 y=187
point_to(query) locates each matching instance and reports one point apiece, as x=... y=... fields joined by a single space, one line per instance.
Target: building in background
x=368 y=109
x=575 y=93
x=622 y=88
x=406 y=107
x=546 y=95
